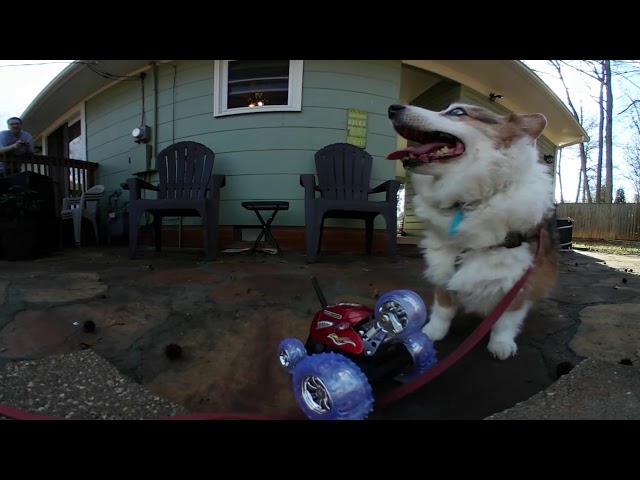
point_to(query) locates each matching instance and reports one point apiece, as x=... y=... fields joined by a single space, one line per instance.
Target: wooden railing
x=70 y=177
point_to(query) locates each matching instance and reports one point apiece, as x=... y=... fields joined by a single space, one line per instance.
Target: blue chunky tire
x=290 y=352
x=424 y=355
x=407 y=309
x=329 y=386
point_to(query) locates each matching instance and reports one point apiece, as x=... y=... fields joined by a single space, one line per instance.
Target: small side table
x=269 y=205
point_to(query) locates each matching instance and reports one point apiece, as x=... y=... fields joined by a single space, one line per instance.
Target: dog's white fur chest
x=467 y=262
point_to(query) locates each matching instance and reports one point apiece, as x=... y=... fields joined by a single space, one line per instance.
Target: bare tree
x=600 y=71
x=633 y=160
x=632 y=151
x=588 y=171
x=608 y=194
x=632 y=110
x=603 y=72
x=591 y=174
x=581 y=174
x=600 y=141
x=557 y=65
x=560 y=176
x=596 y=70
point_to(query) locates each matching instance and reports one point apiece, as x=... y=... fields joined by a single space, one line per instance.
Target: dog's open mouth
x=434 y=147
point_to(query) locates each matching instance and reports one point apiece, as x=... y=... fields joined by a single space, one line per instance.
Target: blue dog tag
x=455 y=223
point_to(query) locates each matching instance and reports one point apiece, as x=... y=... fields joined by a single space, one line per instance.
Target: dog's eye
x=457 y=111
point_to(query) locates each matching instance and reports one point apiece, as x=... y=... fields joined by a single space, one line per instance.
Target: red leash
x=470 y=342
x=385 y=399
x=16 y=414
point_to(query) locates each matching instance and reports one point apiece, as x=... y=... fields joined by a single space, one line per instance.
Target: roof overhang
x=522 y=92
x=70 y=87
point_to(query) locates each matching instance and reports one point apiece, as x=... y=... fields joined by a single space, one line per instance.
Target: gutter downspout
x=154 y=134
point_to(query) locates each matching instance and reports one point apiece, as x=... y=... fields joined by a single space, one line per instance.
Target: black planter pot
x=19 y=242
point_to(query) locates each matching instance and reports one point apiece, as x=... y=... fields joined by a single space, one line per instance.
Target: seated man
x=15 y=141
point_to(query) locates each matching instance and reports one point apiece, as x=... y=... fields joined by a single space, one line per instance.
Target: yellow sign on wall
x=357 y=127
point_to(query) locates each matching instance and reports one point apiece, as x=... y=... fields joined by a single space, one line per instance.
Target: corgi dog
x=486 y=199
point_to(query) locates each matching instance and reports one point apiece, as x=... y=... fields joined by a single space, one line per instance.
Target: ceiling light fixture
x=256 y=100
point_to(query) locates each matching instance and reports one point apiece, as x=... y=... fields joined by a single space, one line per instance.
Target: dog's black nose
x=395 y=108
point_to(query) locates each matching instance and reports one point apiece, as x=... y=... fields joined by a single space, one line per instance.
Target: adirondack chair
x=344 y=173
x=187 y=188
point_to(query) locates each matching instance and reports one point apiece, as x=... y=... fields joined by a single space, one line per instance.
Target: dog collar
x=457 y=218
x=515 y=239
x=511 y=240
x=455 y=223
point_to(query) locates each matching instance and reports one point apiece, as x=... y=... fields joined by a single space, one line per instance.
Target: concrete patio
x=229 y=316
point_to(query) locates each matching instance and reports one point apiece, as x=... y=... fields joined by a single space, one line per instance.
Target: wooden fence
x=603 y=221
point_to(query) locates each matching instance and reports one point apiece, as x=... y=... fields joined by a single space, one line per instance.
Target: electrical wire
x=90 y=64
x=173 y=104
x=41 y=63
x=107 y=75
x=142 y=77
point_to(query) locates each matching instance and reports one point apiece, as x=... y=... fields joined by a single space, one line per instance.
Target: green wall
x=261 y=154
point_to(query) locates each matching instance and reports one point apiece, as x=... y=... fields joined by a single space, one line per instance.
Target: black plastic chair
x=187 y=188
x=344 y=174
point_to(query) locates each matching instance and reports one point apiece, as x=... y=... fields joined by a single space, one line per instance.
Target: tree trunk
x=580 y=119
x=600 y=137
x=609 y=135
x=579 y=186
x=560 y=176
x=586 y=192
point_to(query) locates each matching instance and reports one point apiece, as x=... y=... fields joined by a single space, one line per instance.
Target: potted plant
x=19 y=207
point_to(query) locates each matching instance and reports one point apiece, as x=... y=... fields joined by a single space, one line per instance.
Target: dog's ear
x=532 y=123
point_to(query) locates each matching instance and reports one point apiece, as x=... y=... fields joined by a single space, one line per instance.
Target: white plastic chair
x=84 y=207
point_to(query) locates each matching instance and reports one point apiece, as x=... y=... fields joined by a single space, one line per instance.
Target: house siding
x=440 y=96
x=261 y=154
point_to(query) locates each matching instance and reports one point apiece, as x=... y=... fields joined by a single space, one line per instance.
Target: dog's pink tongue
x=417 y=151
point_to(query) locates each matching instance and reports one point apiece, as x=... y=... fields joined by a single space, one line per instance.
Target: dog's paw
x=502 y=349
x=435 y=330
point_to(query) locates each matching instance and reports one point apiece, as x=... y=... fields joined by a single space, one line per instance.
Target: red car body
x=335 y=324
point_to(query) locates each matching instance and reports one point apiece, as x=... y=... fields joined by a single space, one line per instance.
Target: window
x=249 y=86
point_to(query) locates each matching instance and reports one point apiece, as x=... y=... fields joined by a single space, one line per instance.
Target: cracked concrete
x=229 y=315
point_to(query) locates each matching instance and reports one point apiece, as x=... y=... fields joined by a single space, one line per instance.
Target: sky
x=22 y=80
x=583 y=90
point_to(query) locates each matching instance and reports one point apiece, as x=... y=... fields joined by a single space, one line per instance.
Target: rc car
x=353 y=350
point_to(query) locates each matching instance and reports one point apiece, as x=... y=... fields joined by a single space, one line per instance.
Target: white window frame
x=221 y=75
